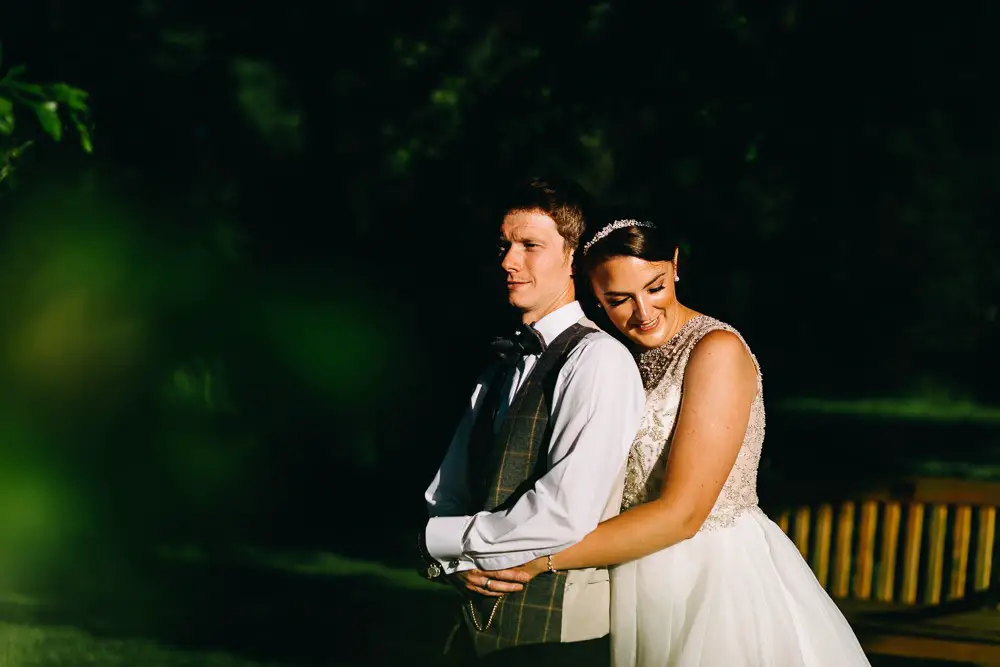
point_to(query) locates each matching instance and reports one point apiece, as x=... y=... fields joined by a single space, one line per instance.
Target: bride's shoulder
x=707 y=328
x=721 y=348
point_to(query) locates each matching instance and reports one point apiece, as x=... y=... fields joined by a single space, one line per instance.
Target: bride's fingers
x=504 y=586
x=512 y=575
x=492 y=587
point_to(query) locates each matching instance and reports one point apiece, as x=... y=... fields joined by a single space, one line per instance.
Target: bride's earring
x=677 y=278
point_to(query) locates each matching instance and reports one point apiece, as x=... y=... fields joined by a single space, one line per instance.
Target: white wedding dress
x=737 y=594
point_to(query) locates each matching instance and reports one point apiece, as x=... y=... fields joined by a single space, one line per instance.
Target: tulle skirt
x=740 y=596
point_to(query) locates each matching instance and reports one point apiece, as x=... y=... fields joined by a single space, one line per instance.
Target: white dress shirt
x=598 y=399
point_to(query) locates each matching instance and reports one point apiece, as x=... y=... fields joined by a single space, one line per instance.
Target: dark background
x=252 y=316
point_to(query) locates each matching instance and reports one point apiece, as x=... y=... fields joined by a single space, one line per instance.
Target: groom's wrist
x=444 y=537
x=431 y=568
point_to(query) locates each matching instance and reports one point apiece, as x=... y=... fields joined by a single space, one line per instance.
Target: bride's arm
x=719 y=386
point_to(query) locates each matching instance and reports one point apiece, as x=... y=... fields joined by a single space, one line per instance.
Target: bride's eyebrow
x=644 y=286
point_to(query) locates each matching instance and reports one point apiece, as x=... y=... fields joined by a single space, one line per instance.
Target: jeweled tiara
x=617 y=224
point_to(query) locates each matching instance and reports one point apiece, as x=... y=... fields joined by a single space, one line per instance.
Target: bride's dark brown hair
x=651 y=244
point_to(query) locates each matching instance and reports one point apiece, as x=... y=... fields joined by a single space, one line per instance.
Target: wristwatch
x=432 y=569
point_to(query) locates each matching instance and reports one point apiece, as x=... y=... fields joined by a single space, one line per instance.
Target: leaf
x=7 y=160
x=18 y=151
x=6 y=116
x=84 y=132
x=13 y=73
x=48 y=116
x=74 y=98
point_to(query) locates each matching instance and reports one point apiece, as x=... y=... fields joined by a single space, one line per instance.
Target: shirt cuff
x=443 y=539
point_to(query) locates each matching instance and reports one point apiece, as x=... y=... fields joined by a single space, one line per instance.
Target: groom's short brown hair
x=563 y=200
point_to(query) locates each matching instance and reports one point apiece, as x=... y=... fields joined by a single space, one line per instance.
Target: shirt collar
x=558 y=321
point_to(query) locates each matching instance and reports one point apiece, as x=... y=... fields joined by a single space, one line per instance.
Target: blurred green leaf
x=48 y=102
x=13 y=73
x=74 y=98
x=48 y=116
x=84 y=132
x=6 y=116
x=32 y=89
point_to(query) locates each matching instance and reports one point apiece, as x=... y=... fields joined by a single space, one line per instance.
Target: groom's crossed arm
x=598 y=401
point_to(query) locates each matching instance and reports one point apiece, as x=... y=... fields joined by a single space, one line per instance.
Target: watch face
x=433 y=571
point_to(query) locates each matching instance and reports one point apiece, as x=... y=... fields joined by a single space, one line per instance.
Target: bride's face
x=638 y=297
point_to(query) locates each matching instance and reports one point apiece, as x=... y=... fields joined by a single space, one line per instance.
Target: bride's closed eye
x=618 y=302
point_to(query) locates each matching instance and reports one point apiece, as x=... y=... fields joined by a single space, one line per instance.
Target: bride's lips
x=648 y=326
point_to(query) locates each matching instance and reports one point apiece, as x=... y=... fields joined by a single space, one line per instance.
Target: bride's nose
x=641 y=310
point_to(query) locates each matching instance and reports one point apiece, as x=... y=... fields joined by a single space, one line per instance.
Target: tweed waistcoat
x=503 y=465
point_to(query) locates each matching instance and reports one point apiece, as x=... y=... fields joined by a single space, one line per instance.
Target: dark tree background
x=254 y=313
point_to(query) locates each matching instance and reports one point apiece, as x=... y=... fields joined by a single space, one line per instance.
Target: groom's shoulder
x=601 y=348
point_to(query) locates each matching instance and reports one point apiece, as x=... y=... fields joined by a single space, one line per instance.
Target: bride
x=703 y=577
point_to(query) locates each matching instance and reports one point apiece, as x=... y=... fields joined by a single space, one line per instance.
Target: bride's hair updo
x=625 y=237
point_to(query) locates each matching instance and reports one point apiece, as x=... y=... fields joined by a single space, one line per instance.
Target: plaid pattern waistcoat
x=503 y=465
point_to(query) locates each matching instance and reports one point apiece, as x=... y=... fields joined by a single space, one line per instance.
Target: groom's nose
x=511 y=261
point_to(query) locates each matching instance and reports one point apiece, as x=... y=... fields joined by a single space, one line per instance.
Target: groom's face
x=537 y=265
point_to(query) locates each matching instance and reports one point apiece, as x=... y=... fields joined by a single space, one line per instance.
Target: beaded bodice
x=662 y=371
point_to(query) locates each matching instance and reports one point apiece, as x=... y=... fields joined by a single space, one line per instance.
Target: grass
x=265 y=610
x=40 y=646
x=890 y=408
x=335 y=565
x=269 y=610
x=25 y=646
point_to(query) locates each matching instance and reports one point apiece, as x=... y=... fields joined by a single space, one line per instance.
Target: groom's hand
x=492 y=583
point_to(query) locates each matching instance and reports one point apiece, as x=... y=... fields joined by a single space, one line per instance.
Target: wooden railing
x=878 y=545
x=918 y=544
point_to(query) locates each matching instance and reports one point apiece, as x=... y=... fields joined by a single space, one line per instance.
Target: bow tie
x=526 y=340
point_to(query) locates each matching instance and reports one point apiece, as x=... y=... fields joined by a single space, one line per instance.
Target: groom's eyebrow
x=520 y=238
x=644 y=286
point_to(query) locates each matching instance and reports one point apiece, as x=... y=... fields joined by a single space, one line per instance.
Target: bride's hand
x=521 y=574
x=532 y=569
x=490 y=583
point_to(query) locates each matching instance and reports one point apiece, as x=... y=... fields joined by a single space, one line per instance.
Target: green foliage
x=53 y=105
x=50 y=646
x=917 y=409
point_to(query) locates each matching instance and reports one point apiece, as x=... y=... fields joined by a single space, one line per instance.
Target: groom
x=537 y=460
